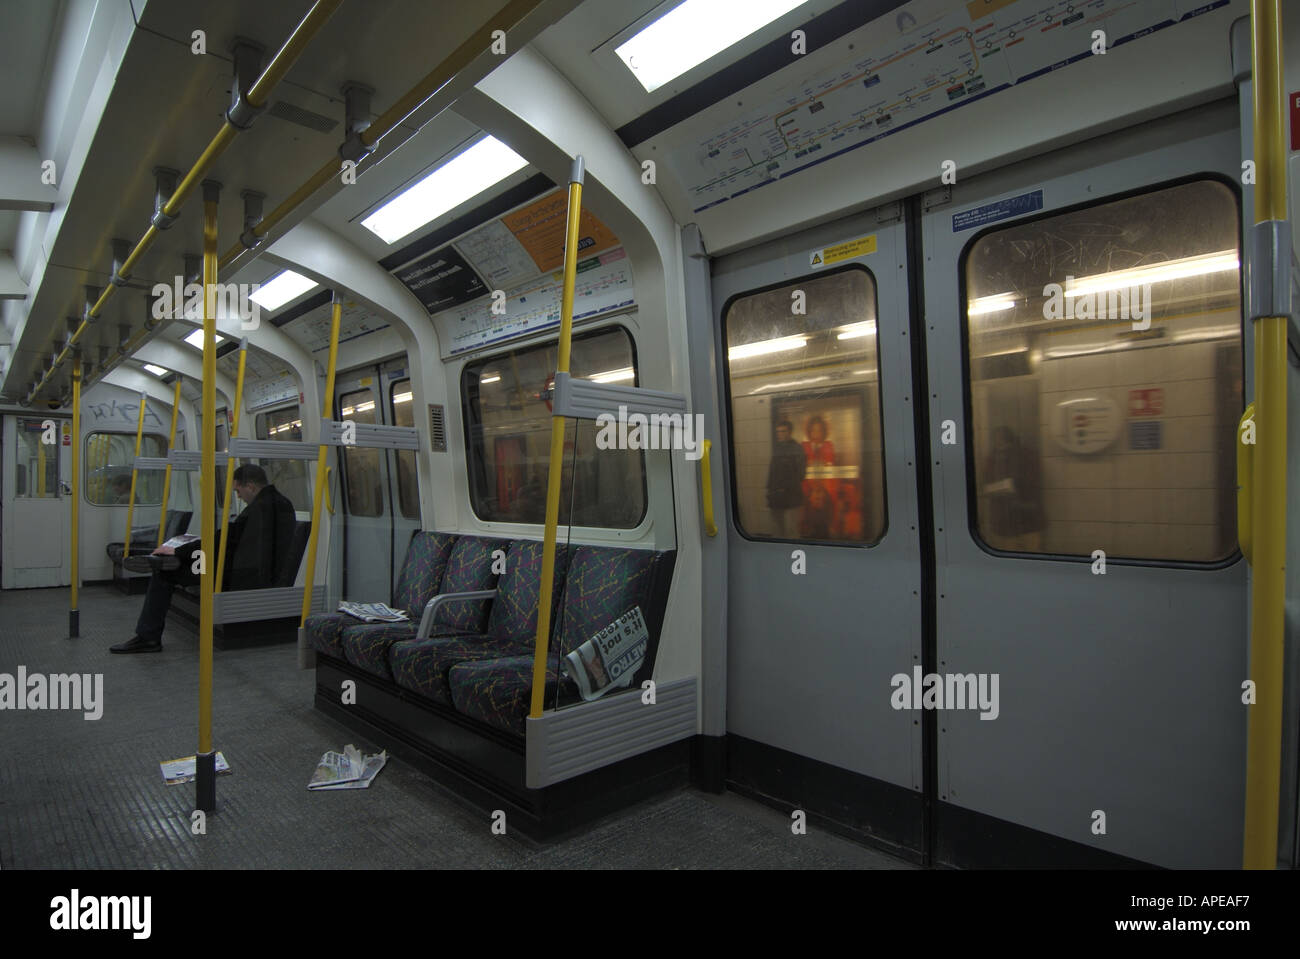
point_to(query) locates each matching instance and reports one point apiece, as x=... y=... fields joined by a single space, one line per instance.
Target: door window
x=803 y=377
x=1105 y=385
x=408 y=481
x=361 y=465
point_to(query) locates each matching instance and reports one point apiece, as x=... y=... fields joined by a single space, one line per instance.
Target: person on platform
x=785 y=481
x=257 y=555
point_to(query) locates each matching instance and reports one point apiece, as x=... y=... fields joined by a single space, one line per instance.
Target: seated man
x=257 y=554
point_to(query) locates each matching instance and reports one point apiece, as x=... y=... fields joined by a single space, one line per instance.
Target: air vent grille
x=304 y=118
x=437 y=428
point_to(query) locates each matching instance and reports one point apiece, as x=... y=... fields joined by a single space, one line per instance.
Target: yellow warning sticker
x=850 y=249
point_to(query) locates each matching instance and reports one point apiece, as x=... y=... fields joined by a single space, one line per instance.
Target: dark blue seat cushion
x=602 y=584
x=469 y=568
x=422 y=665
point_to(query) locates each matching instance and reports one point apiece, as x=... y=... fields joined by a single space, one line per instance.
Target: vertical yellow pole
x=206 y=763
x=1268 y=549
x=557 y=443
x=230 y=466
x=327 y=405
x=167 y=475
x=74 y=613
x=130 y=503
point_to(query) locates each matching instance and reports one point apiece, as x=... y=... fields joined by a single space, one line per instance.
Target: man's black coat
x=257 y=555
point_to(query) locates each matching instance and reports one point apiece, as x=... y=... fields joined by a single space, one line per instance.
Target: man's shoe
x=137 y=645
x=138 y=563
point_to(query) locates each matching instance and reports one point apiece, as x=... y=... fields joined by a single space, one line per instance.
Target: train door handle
x=1245 y=480
x=706 y=488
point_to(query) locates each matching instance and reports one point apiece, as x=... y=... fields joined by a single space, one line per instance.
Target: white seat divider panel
x=249 y=605
x=585 y=400
x=373 y=436
x=572 y=740
x=273 y=450
x=192 y=459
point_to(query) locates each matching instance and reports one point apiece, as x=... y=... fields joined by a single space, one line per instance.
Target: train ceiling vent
x=301 y=116
x=437 y=428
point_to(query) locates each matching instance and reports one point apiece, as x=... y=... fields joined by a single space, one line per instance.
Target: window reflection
x=805 y=410
x=1105 y=370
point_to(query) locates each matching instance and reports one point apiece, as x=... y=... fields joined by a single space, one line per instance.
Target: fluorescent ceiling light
x=487 y=162
x=195 y=339
x=990 y=304
x=693 y=32
x=156 y=370
x=855 y=330
x=1158 y=273
x=279 y=290
x=365 y=407
x=614 y=376
x=490 y=378
x=778 y=345
x=402 y=398
x=792 y=383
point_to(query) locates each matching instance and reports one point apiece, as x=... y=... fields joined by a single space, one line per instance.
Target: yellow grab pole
x=509 y=16
x=206 y=764
x=1268 y=525
x=167 y=474
x=557 y=443
x=257 y=96
x=327 y=404
x=74 y=613
x=230 y=466
x=130 y=503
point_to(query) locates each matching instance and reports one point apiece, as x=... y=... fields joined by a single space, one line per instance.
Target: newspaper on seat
x=611 y=658
x=374 y=612
x=347 y=770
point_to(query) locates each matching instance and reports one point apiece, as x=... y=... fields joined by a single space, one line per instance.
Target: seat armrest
x=431 y=607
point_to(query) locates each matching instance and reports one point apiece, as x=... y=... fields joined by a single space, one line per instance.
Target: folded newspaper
x=347 y=770
x=177 y=771
x=611 y=658
x=374 y=612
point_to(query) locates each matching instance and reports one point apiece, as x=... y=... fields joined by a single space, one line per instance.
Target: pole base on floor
x=205 y=782
x=74 y=623
x=306 y=655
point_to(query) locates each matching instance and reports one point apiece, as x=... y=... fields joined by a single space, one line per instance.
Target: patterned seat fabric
x=468 y=568
x=602 y=584
x=366 y=645
x=499 y=692
x=514 y=611
x=422 y=665
x=325 y=632
x=420 y=577
x=422 y=572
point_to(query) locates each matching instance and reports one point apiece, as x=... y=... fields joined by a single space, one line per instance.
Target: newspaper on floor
x=374 y=612
x=611 y=658
x=347 y=770
x=177 y=771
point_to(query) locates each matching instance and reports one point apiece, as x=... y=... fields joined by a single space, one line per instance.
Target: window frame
x=972 y=497
x=880 y=408
x=85 y=465
x=482 y=359
x=400 y=512
x=345 y=453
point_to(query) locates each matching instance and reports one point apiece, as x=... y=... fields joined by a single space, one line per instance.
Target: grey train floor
x=81 y=794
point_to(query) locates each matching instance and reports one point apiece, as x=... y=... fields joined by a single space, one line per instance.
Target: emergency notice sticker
x=850 y=249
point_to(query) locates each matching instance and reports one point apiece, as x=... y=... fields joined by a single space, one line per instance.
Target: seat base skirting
x=485 y=767
x=266 y=632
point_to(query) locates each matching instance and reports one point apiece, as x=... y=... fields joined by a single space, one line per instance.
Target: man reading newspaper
x=611 y=658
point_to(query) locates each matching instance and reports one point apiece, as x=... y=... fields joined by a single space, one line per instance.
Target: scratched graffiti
x=115 y=413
